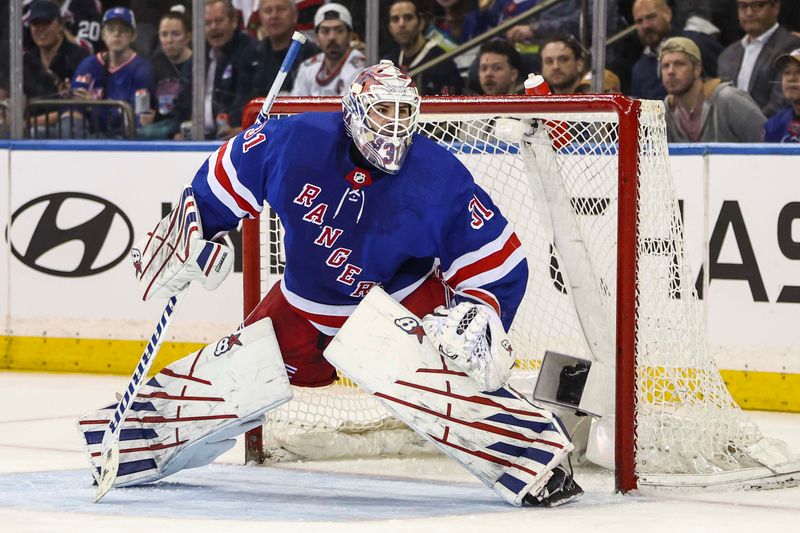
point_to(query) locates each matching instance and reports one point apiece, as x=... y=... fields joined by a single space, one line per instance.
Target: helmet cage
x=381 y=117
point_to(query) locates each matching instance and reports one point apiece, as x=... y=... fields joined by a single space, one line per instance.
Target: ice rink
x=45 y=485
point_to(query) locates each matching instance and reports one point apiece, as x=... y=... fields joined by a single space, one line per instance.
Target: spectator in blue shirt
x=784 y=126
x=117 y=74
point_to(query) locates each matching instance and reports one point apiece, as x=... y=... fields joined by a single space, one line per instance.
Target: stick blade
x=108 y=473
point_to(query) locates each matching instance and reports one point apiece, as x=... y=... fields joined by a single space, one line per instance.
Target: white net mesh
x=563 y=180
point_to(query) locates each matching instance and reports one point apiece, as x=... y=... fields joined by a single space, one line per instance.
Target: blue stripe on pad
x=501 y=393
x=96 y=437
x=534 y=454
x=202 y=259
x=511 y=483
x=538 y=427
x=191 y=220
x=143 y=406
x=132 y=467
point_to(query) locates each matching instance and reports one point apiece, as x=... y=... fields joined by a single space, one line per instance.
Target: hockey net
x=676 y=423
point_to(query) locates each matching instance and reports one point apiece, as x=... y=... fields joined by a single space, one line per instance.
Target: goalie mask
x=380 y=114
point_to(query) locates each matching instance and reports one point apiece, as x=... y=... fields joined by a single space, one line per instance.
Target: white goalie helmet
x=380 y=114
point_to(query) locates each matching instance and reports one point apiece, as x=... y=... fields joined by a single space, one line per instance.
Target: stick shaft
x=108 y=471
x=298 y=39
x=142 y=368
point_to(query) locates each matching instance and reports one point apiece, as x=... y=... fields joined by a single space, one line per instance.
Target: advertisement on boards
x=74 y=216
x=71 y=216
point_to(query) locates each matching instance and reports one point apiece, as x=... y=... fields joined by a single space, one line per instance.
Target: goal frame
x=628 y=112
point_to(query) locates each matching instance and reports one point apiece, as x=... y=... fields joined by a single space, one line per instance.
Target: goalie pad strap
x=506 y=442
x=188 y=414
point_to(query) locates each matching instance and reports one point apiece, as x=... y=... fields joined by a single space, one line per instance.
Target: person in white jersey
x=330 y=72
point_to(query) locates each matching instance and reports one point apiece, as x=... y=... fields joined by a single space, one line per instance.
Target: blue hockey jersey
x=348 y=228
x=120 y=83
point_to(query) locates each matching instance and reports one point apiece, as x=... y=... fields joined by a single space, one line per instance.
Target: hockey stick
x=110 y=447
x=298 y=39
x=110 y=451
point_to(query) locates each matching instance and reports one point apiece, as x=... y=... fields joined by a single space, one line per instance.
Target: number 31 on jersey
x=480 y=213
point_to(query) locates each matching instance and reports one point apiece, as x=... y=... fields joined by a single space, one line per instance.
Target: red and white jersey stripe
x=223 y=181
x=488 y=264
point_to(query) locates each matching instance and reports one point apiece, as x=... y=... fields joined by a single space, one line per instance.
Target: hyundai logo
x=70 y=234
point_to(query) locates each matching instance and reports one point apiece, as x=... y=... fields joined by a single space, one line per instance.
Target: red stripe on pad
x=163 y=419
x=441 y=371
x=469 y=399
x=153 y=447
x=485 y=456
x=211 y=262
x=165 y=396
x=168 y=372
x=477 y=425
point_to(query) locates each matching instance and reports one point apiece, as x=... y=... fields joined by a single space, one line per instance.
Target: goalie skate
x=560 y=489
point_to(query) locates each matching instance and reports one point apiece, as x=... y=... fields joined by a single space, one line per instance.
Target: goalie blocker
x=174 y=253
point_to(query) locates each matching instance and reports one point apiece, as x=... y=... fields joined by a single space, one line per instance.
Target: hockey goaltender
x=382 y=226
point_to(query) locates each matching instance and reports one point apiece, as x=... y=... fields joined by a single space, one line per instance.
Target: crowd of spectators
x=727 y=70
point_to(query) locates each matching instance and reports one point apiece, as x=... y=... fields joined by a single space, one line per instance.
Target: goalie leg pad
x=189 y=413
x=508 y=443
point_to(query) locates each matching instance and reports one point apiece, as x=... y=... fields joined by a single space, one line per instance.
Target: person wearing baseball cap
x=330 y=72
x=120 y=13
x=44 y=11
x=333 y=12
x=611 y=83
x=50 y=63
x=118 y=31
x=654 y=25
x=699 y=110
x=117 y=74
x=784 y=125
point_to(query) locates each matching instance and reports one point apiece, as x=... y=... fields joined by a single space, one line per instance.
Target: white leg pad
x=189 y=413
x=504 y=440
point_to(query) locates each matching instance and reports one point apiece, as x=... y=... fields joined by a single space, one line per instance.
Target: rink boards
x=71 y=211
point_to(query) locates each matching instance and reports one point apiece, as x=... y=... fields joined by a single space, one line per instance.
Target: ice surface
x=45 y=485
